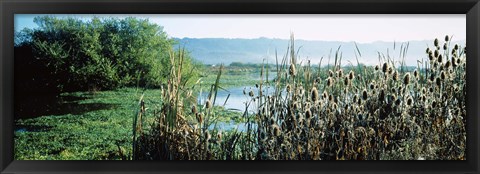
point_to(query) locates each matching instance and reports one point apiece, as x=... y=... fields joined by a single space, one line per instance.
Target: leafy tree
x=97 y=54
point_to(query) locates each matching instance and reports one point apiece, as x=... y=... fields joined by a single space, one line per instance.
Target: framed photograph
x=225 y=86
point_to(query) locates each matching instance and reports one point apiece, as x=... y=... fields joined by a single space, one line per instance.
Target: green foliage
x=100 y=54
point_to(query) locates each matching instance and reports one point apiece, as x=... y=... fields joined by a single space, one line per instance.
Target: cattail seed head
x=435 y=42
x=443 y=75
x=292 y=70
x=364 y=95
x=346 y=81
x=447 y=38
x=194 y=109
x=340 y=73
x=409 y=101
x=415 y=73
x=440 y=58
x=324 y=95
x=329 y=81
x=445 y=46
x=436 y=53
x=199 y=117
x=395 y=76
x=330 y=73
x=308 y=114
x=372 y=86
x=289 y=88
x=351 y=75
x=377 y=67
x=406 y=79
x=208 y=104
x=314 y=94
x=455 y=47
x=385 y=67
x=432 y=77
x=251 y=94
x=427 y=50
x=438 y=81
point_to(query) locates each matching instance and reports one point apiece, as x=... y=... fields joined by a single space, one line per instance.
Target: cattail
x=440 y=58
x=432 y=77
x=330 y=97
x=385 y=67
x=330 y=73
x=436 y=54
x=194 y=109
x=208 y=104
x=427 y=50
x=435 y=42
x=329 y=81
x=409 y=101
x=324 y=95
x=434 y=104
x=276 y=130
x=347 y=81
x=308 y=114
x=292 y=70
x=438 y=81
x=447 y=38
x=199 y=117
x=415 y=73
x=445 y=46
x=406 y=79
x=289 y=88
x=455 y=47
x=314 y=94
x=372 y=86
x=244 y=92
x=442 y=75
x=364 y=95
x=377 y=67
x=395 y=75
x=351 y=75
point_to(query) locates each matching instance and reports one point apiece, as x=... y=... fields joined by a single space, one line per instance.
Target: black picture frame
x=10 y=7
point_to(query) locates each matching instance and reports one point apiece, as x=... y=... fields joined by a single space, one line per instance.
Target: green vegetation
x=379 y=113
x=76 y=55
x=128 y=94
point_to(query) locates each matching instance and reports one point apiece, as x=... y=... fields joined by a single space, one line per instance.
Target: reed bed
x=383 y=112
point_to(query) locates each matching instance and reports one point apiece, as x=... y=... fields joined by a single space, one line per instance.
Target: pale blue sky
x=359 y=28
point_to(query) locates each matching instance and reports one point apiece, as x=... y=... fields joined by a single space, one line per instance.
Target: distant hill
x=222 y=50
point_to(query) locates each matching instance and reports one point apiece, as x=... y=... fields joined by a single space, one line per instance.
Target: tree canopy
x=71 y=54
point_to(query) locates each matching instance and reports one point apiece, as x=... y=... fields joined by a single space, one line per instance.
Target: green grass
x=94 y=135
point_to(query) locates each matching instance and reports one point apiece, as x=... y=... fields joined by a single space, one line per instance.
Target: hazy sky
x=359 y=28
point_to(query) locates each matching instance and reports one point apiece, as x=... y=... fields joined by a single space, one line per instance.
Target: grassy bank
x=91 y=135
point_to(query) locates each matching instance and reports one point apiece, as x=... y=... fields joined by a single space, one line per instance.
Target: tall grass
x=383 y=112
